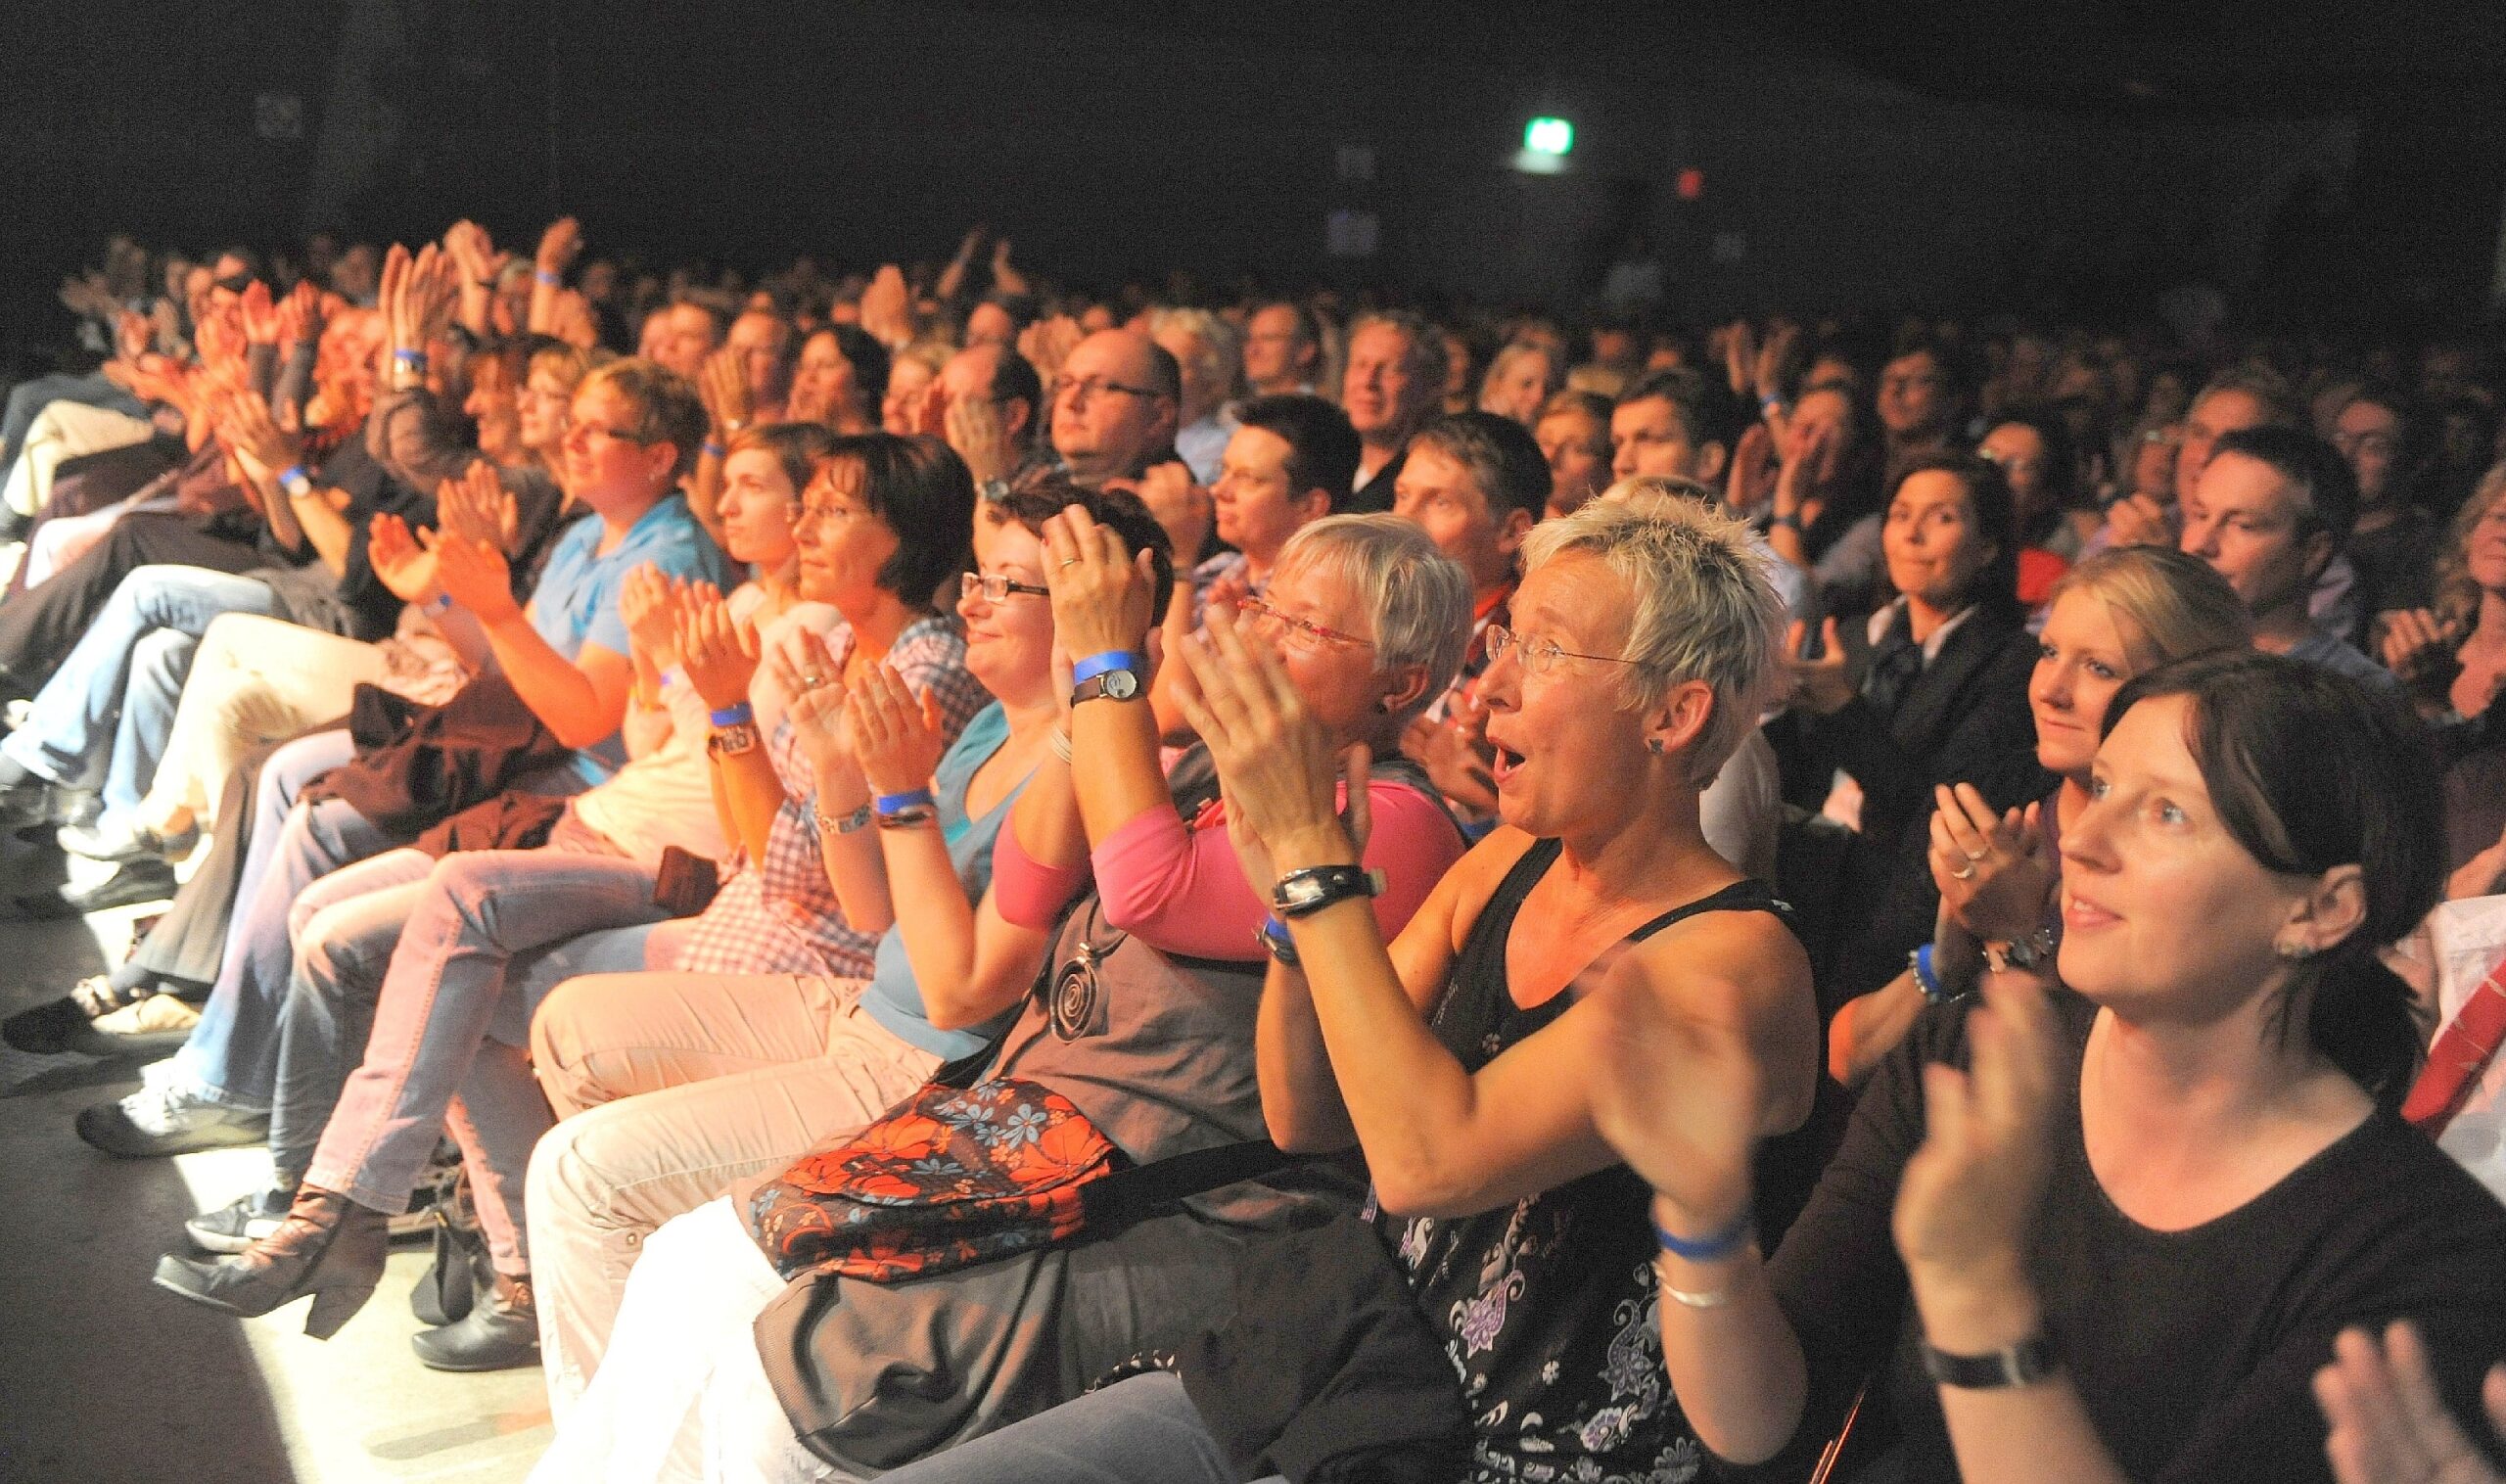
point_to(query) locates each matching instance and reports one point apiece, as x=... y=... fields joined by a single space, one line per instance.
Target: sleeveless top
x=1547 y=1306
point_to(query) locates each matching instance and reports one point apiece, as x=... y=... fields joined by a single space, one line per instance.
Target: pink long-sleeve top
x=1177 y=887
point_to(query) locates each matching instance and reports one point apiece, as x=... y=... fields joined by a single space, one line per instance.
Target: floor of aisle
x=106 y=1379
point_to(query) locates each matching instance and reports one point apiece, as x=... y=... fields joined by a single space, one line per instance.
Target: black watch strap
x=2024 y=1364
x=1317 y=887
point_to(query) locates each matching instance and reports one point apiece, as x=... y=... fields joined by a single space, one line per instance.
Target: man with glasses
x=1921 y=401
x=1115 y=402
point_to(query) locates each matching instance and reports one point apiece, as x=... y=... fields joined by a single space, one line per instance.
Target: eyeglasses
x=1538 y=657
x=596 y=430
x=1299 y=633
x=1081 y=392
x=995 y=588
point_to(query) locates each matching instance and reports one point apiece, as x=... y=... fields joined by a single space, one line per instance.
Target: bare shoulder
x=1737 y=965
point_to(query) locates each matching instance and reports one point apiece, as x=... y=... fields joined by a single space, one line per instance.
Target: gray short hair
x=1418 y=598
x=1222 y=355
x=1705 y=609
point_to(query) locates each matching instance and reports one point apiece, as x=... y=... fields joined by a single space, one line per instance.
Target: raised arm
x=1439 y=1138
x=821 y=716
x=720 y=655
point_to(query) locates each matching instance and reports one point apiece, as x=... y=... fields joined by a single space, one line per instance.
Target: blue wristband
x=406 y=357
x=1927 y=978
x=1711 y=1249
x=713 y=450
x=913 y=798
x=546 y=277
x=1112 y=658
x=288 y=476
x=735 y=715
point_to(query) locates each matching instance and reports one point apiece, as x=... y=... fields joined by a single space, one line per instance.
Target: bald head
x=1115 y=405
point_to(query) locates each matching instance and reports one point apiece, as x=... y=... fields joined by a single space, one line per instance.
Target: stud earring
x=1654 y=745
x=2294 y=952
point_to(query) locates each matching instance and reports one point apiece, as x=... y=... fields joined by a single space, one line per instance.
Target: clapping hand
x=1996 y=874
x=260 y=315
x=722 y=385
x=974 y=429
x=2389 y=1422
x=559 y=245
x=804 y=670
x=473 y=574
x=1100 y=596
x=897 y=739
x=1047 y=343
x=2418 y=647
x=1969 y=1193
x=1178 y=501
x=477 y=505
x=1823 y=684
x=1277 y=765
x=887 y=307
x=404 y=566
x=650 y=603
x=718 y=652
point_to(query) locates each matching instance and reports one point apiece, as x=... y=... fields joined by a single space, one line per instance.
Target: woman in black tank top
x=1459 y=1059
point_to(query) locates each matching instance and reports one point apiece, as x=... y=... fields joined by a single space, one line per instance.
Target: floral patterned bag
x=949 y=1177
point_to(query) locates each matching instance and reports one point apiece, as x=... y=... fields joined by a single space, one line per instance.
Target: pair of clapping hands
x=462 y=557
x=875 y=727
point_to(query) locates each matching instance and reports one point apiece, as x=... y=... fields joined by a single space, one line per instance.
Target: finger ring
x=813 y=680
x=1977 y=855
x=1070 y=561
x=1963 y=875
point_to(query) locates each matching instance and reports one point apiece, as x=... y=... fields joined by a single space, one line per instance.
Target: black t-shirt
x=2192 y=1351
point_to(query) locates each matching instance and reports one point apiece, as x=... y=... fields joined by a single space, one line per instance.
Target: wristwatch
x=2022 y=952
x=1317 y=887
x=1112 y=685
x=732 y=740
x=2024 y=1364
x=996 y=489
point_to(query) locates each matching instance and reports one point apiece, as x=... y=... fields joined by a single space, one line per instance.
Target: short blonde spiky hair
x=1705 y=609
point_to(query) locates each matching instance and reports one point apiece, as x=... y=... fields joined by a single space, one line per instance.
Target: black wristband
x=1317 y=887
x=2024 y=1364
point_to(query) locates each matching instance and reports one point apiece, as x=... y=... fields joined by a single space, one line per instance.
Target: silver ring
x=1070 y=561
x=1978 y=855
x=812 y=681
x=1963 y=875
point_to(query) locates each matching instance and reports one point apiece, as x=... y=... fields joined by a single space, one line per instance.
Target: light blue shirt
x=892 y=999
x=576 y=599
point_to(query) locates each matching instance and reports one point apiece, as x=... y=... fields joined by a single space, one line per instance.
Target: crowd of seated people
x=936 y=873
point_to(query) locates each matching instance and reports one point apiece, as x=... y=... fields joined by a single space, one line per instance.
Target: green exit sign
x=1548 y=136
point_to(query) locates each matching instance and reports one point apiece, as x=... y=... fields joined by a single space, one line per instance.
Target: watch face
x=1299 y=892
x=1121 y=684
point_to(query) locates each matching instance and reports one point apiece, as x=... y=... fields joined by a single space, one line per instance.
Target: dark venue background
x=2320 y=159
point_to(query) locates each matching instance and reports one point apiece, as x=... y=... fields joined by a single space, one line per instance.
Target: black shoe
x=240 y=1222
x=156 y=1121
x=502 y=1332
x=84 y=1021
x=147 y=879
x=329 y=1248
x=27 y=802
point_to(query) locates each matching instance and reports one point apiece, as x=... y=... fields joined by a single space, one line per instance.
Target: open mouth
x=1506 y=760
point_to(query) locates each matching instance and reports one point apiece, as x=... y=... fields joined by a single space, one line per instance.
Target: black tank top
x=1547 y=1306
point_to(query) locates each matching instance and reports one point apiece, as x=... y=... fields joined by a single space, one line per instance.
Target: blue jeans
x=1138 y=1431
x=232 y=1057
x=29 y=399
x=105 y=714
x=457 y=943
